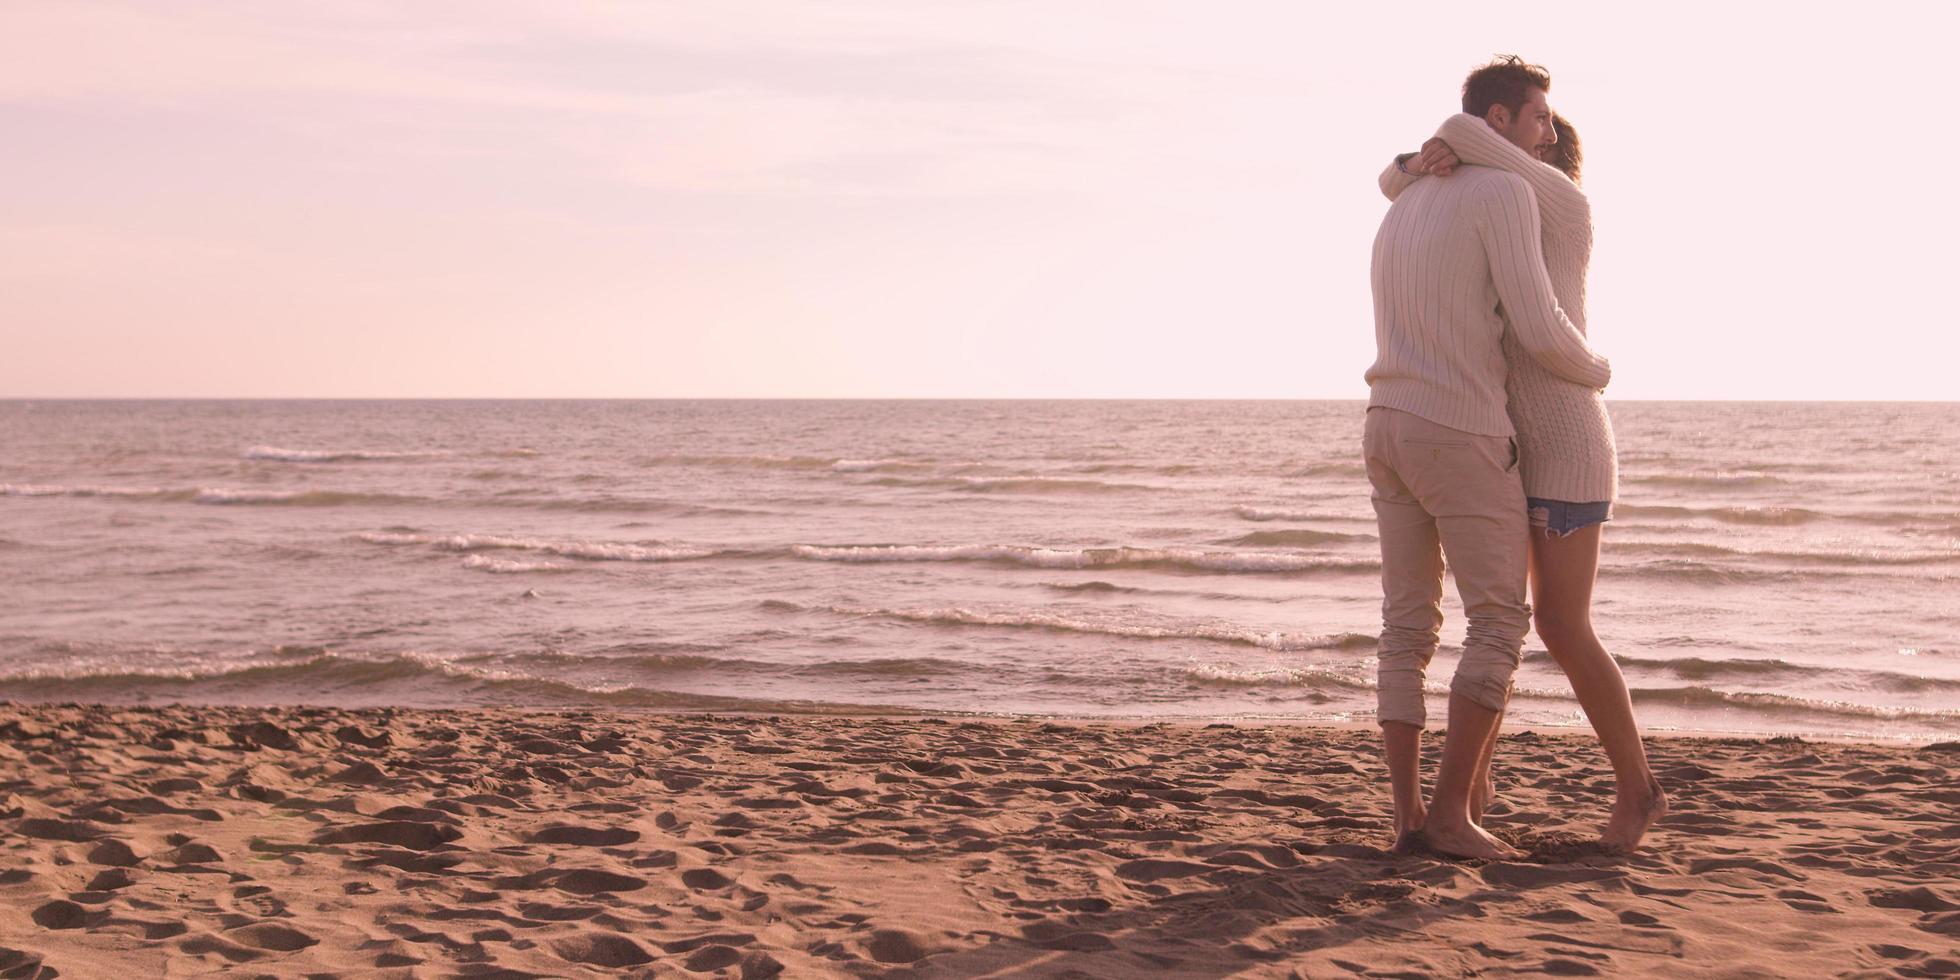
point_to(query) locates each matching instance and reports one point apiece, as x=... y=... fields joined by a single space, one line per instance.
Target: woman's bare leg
x=1562 y=573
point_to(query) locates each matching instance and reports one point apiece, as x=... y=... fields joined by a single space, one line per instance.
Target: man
x=1456 y=261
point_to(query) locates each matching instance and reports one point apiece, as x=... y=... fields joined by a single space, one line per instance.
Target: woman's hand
x=1435 y=160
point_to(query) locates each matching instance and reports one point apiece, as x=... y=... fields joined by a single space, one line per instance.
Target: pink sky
x=927 y=199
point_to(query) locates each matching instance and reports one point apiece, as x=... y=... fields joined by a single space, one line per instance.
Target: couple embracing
x=1487 y=443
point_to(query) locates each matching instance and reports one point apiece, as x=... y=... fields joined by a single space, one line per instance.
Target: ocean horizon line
x=777 y=399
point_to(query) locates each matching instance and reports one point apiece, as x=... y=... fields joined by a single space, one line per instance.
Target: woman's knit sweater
x=1565 y=439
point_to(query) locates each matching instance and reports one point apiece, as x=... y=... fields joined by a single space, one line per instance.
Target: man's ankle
x=1446 y=821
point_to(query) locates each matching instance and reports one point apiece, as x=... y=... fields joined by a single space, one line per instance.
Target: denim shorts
x=1559 y=518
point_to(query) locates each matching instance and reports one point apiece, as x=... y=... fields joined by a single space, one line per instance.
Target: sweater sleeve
x=1474 y=142
x=1394 y=180
x=1509 y=230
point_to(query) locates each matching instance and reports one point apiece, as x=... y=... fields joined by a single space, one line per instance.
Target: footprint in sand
x=769 y=803
x=1154 y=869
x=545 y=912
x=63 y=914
x=48 y=828
x=1920 y=899
x=414 y=862
x=896 y=946
x=1699 y=866
x=876 y=848
x=587 y=881
x=705 y=879
x=360 y=773
x=602 y=949
x=191 y=854
x=708 y=959
x=401 y=833
x=584 y=836
x=366 y=738
x=111 y=880
x=114 y=853
x=1059 y=936
x=271 y=936
x=420 y=814
x=258 y=899
x=24 y=965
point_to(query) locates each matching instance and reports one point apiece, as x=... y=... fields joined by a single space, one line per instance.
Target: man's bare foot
x=1481 y=798
x=1468 y=840
x=1631 y=818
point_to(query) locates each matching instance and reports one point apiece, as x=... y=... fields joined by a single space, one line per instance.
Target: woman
x=1565 y=446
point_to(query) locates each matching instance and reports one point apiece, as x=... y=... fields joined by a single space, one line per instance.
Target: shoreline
x=844 y=711
x=572 y=842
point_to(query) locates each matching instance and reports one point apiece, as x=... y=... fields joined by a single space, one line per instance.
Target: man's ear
x=1498 y=116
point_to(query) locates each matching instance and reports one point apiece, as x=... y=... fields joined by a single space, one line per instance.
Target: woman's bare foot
x=1410 y=823
x=1631 y=818
x=1468 y=840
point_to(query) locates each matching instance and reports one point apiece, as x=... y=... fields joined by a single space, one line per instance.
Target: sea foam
x=277 y=455
x=1173 y=558
x=588 y=550
x=957 y=616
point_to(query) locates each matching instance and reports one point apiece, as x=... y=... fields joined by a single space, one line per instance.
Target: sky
x=930 y=198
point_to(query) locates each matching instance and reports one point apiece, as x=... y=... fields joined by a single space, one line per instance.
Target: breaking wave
x=45 y=490
x=1707 y=669
x=1706 y=481
x=1692 y=549
x=506 y=566
x=1166 y=558
x=777 y=462
x=406 y=680
x=1785 y=704
x=1011 y=484
x=1768 y=516
x=954 y=616
x=885 y=667
x=1262 y=514
x=1310 y=676
x=1294 y=538
x=585 y=550
x=297 y=498
x=209 y=495
x=278 y=455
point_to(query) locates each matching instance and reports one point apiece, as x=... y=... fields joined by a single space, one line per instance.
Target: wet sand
x=336 y=843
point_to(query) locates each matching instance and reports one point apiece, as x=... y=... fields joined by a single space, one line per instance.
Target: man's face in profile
x=1531 y=128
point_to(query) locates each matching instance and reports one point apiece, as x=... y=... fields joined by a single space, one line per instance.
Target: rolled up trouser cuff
x=1486 y=681
x=1403 y=707
x=1398 y=688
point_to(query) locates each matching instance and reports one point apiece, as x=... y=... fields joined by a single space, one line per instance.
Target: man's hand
x=1435 y=160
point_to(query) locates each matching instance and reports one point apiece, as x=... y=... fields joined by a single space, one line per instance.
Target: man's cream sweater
x=1455 y=259
x=1565 y=438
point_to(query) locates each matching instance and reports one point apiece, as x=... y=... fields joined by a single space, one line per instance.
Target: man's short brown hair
x=1506 y=81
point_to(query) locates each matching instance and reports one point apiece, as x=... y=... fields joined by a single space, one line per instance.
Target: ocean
x=1771 y=568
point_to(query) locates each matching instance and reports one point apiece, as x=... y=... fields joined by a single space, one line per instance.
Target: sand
x=331 y=843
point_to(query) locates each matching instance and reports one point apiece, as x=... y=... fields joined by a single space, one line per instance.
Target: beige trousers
x=1442 y=492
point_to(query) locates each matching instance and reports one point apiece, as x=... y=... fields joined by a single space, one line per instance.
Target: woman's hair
x=1566 y=153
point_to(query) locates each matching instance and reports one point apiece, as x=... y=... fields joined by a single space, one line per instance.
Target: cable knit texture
x=1458 y=265
x=1565 y=438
